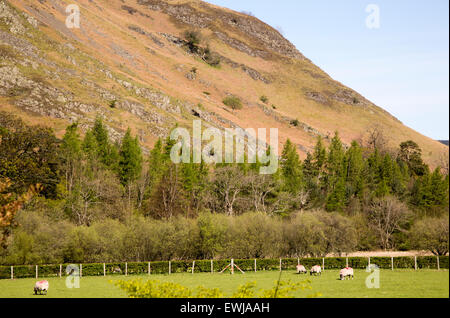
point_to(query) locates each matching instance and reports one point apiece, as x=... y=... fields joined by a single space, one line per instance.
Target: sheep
x=316 y=270
x=301 y=269
x=346 y=273
x=41 y=287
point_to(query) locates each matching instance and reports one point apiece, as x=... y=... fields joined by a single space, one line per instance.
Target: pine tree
x=335 y=180
x=107 y=153
x=130 y=162
x=291 y=168
x=71 y=154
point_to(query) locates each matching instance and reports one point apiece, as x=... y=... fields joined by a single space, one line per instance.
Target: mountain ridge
x=132 y=54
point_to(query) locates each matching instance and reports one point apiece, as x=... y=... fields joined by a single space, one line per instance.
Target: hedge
x=204 y=266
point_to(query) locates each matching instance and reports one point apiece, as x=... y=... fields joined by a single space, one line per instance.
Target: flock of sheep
x=345 y=273
x=41 y=287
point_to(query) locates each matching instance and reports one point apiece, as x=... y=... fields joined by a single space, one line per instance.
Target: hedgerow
x=204 y=266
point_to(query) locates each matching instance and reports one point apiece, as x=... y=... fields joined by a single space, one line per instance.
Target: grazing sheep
x=316 y=270
x=346 y=273
x=301 y=269
x=41 y=287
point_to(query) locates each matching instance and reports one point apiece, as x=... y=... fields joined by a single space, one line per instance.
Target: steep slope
x=128 y=63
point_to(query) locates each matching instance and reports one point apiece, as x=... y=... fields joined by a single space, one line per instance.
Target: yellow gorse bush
x=156 y=289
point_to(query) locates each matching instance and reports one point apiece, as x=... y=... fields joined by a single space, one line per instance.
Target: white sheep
x=346 y=273
x=316 y=270
x=301 y=269
x=41 y=287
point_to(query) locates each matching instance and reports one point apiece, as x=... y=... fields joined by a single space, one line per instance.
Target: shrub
x=193 y=39
x=295 y=122
x=233 y=102
x=264 y=99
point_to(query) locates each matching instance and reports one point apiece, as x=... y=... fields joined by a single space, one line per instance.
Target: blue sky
x=402 y=66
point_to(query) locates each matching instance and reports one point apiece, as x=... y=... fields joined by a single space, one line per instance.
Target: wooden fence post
x=60 y=270
x=149 y=269
x=439 y=268
x=280 y=264
x=36 y=272
x=193 y=266
x=104 y=269
x=255 y=266
x=392 y=262
x=170 y=267
x=323 y=263
x=346 y=262
x=232 y=266
x=212 y=267
x=415 y=262
x=126 y=269
x=12 y=272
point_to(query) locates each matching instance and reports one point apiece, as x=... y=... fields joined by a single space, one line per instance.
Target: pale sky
x=402 y=66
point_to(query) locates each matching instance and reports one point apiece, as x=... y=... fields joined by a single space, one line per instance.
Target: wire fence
x=218 y=266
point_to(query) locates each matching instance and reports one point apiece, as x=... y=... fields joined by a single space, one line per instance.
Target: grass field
x=393 y=284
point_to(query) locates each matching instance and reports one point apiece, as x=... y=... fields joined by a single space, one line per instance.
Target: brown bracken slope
x=128 y=63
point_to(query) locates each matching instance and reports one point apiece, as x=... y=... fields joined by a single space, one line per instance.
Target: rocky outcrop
x=208 y=17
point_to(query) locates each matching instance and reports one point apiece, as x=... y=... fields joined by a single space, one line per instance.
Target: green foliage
x=264 y=99
x=130 y=162
x=291 y=168
x=157 y=289
x=233 y=101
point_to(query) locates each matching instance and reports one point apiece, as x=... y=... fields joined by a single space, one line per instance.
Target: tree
x=29 y=156
x=130 y=162
x=9 y=206
x=71 y=155
x=228 y=182
x=193 y=39
x=106 y=151
x=431 y=234
x=386 y=216
x=291 y=168
x=411 y=154
x=335 y=180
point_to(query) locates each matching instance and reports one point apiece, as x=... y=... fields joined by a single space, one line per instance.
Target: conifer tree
x=291 y=168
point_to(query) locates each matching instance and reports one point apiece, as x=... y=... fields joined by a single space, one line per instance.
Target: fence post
x=280 y=264
x=392 y=262
x=212 y=267
x=36 y=272
x=369 y=261
x=149 y=269
x=415 y=262
x=60 y=270
x=439 y=268
x=323 y=263
x=126 y=269
x=12 y=272
x=193 y=266
x=232 y=266
x=255 y=265
x=346 y=262
x=170 y=267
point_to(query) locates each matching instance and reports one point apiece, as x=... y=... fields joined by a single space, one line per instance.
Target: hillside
x=129 y=64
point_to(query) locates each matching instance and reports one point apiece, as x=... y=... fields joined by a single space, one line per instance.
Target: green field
x=393 y=284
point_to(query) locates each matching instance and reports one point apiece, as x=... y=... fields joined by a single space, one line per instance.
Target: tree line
x=339 y=199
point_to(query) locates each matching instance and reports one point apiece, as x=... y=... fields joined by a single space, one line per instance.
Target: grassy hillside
x=129 y=64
